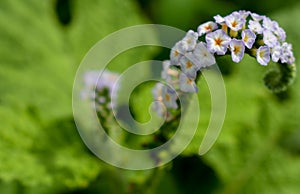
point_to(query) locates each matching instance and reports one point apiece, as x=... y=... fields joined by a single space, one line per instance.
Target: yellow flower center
x=246 y=38
x=261 y=54
x=189 y=64
x=218 y=41
x=236 y=49
x=234 y=24
x=208 y=28
x=167 y=97
x=189 y=81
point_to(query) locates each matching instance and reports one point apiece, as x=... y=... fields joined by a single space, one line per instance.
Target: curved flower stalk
x=235 y=34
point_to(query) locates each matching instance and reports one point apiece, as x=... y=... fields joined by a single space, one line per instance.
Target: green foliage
x=41 y=151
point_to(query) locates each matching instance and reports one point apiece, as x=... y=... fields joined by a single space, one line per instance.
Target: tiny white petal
x=257 y=17
x=237 y=48
x=202 y=56
x=187 y=84
x=248 y=37
x=168 y=74
x=190 y=40
x=269 y=38
x=244 y=14
x=287 y=54
x=280 y=33
x=176 y=53
x=206 y=27
x=157 y=91
x=269 y=24
x=188 y=66
x=263 y=55
x=276 y=53
x=255 y=27
x=169 y=97
x=219 y=19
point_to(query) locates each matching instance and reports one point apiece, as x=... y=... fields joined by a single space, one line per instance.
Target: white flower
x=269 y=38
x=203 y=58
x=100 y=79
x=159 y=108
x=287 y=54
x=257 y=17
x=280 y=33
x=187 y=84
x=263 y=55
x=97 y=82
x=276 y=53
x=189 y=41
x=270 y=24
x=248 y=37
x=187 y=66
x=255 y=26
x=217 y=42
x=237 y=48
x=169 y=97
x=206 y=27
x=219 y=19
x=157 y=91
x=244 y=14
x=235 y=21
x=165 y=94
x=168 y=74
x=176 y=53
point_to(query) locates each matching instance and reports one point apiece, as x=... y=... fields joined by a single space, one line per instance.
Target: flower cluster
x=235 y=34
x=99 y=87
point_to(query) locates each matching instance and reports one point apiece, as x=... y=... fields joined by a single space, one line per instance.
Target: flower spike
x=237 y=33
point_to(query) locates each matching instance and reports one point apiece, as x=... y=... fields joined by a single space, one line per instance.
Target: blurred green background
x=42 y=44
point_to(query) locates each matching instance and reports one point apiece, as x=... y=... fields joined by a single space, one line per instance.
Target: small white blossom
x=255 y=27
x=190 y=40
x=244 y=14
x=257 y=17
x=276 y=53
x=168 y=74
x=187 y=66
x=157 y=91
x=217 y=42
x=235 y=21
x=237 y=48
x=287 y=54
x=219 y=19
x=269 y=38
x=98 y=81
x=270 y=24
x=206 y=27
x=159 y=108
x=165 y=94
x=169 y=97
x=203 y=58
x=248 y=37
x=280 y=33
x=176 y=53
x=187 y=84
x=263 y=55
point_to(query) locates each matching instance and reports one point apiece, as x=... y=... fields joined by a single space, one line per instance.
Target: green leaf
x=40 y=146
